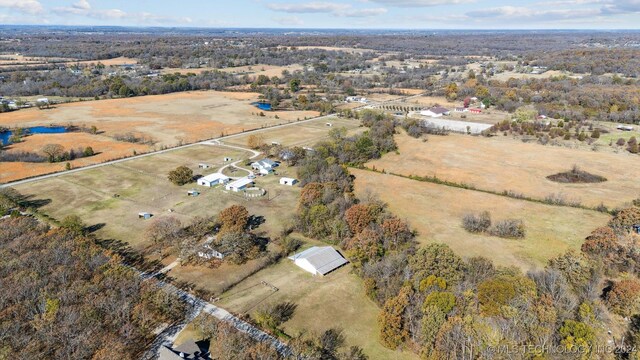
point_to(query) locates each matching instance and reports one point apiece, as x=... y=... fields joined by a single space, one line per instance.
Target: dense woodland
x=72 y=300
x=439 y=305
x=606 y=89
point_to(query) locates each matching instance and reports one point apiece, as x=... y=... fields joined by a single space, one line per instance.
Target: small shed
x=193 y=192
x=288 y=181
x=144 y=215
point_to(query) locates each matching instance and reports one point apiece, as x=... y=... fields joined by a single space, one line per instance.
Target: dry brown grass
x=27 y=62
x=502 y=163
x=167 y=119
x=105 y=147
x=436 y=212
x=260 y=69
x=304 y=134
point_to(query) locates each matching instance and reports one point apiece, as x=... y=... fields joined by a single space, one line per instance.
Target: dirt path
x=234 y=164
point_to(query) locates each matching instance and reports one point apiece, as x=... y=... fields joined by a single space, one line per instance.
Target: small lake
x=5 y=135
x=262 y=106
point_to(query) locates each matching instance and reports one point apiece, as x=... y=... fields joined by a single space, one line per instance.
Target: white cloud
x=84 y=8
x=419 y=3
x=341 y=10
x=23 y=6
x=362 y=12
x=621 y=7
x=314 y=7
x=525 y=13
x=82 y=5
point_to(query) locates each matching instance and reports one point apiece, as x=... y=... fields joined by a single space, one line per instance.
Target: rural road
x=198 y=305
x=235 y=163
x=204 y=142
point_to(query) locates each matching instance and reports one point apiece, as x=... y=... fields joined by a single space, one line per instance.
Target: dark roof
x=439 y=110
x=190 y=350
x=188 y=347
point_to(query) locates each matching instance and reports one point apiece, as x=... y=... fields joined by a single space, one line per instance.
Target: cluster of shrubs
x=21 y=156
x=481 y=223
x=133 y=138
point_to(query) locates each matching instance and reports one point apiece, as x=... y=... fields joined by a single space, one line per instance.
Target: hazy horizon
x=351 y=14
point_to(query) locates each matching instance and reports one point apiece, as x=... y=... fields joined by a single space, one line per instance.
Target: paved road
x=204 y=142
x=197 y=304
x=234 y=164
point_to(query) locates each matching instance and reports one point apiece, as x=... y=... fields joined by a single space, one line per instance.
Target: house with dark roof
x=436 y=111
x=190 y=350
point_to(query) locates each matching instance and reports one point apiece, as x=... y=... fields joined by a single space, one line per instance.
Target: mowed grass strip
x=436 y=212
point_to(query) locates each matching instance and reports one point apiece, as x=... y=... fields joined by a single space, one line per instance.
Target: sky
x=335 y=14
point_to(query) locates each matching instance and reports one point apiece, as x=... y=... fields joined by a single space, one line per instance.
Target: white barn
x=435 y=112
x=319 y=260
x=239 y=184
x=213 y=180
x=288 y=181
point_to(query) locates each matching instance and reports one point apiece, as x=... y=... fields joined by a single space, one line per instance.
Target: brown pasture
x=507 y=164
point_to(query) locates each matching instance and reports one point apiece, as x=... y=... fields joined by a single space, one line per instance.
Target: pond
x=6 y=135
x=262 y=106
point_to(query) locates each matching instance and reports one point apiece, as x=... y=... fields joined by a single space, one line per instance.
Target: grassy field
x=141 y=185
x=436 y=212
x=336 y=300
x=167 y=119
x=503 y=163
x=614 y=134
x=305 y=134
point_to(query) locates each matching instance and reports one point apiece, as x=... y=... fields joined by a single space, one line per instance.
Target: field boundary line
x=437 y=181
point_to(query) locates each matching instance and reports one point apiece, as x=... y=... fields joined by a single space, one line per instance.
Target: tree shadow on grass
x=31 y=202
x=131 y=257
x=95 y=227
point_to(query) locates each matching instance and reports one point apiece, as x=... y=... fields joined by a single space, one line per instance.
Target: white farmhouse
x=319 y=260
x=436 y=111
x=213 y=180
x=264 y=166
